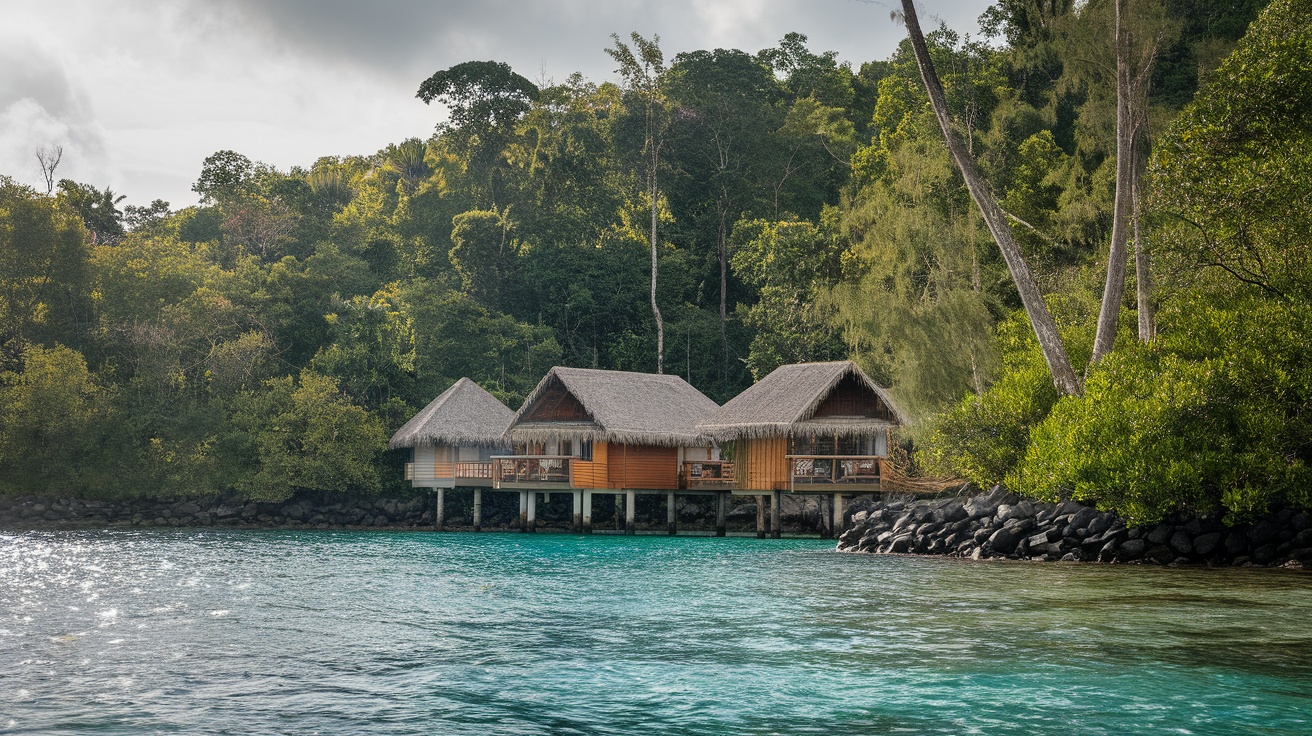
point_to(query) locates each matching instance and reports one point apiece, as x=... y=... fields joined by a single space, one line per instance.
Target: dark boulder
x=1161 y=534
x=1005 y=539
x=1236 y=542
x=1206 y=544
x=1264 y=554
x=1181 y=543
x=1132 y=549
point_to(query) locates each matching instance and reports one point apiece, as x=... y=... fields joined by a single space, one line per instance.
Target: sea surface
x=246 y=632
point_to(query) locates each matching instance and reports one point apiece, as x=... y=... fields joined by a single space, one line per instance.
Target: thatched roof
x=464 y=414
x=633 y=408
x=784 y=402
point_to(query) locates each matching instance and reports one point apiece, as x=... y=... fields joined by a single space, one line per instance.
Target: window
x=585 y=450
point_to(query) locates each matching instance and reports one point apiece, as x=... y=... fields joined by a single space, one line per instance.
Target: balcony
x=531 y=471
x=835 y=473
x=706 y=475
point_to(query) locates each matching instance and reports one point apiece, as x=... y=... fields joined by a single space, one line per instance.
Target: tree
x=49 y=421
x=223 y=175
x=308 y=436
x=49 y=157
x=484 y=254
x=1137 y=40
x=1045 y=329
x=1231 y=182
x=98 y=210
x=643 y=73
x=484 y=99
x=726 y=117
x=43 y=268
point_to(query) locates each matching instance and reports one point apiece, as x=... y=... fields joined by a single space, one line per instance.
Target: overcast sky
x=138 y=92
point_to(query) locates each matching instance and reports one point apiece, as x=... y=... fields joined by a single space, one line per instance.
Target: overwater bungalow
x=807 y=428
x=583 y=431
x=453 y=440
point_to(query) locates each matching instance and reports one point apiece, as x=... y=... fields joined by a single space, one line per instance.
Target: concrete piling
x=478 y=509
x=776 y=499
x=721 y=510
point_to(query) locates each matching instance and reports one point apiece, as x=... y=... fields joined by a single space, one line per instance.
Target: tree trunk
x=724 y=286
x=1059 y=365
x=655 y=310
x=1114 y=290
x=1143 y=278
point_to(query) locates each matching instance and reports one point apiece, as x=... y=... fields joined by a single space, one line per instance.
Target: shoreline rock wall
x=999 y=524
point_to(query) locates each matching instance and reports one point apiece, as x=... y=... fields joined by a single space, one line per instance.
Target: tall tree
x=1045 y=329
x=1137 y=39
x=727 y=118
x=643 y=70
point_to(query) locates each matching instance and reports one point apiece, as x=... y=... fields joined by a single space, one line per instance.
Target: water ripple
x=187 y=631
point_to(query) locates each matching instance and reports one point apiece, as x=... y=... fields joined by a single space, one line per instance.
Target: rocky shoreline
x=999 y=524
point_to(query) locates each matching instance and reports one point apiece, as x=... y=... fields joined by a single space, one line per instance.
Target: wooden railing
x=409 y=471
x=835 y=469
x=474 y=470
x=707 y=474
x=531 y=469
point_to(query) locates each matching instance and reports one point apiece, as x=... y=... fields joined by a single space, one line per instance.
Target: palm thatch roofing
x=464 y=414
x=785 y=402
x=624 y=407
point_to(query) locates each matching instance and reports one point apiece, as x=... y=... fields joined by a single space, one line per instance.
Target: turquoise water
x=416 y=633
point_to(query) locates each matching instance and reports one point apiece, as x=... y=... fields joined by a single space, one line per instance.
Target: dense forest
x=716 y=214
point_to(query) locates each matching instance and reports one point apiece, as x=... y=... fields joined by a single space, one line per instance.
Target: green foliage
x=786 y=262
x=51 y=415
x=1213 y=417
x=308 y=436
x=983 y=437
x=43 y=270
x=1233 y=178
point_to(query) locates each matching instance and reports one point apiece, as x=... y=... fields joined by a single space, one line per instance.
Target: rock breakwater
x=999 y=524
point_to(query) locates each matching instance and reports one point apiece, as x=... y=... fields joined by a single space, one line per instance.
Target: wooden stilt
x=760 y=516
x=587 y=512
x=721 y=502
x=532 y=511
x=478 y=509
x=670 y=519
x=839 y=521
x=630 y=506
x=578 y=511
x=776 y=500
x=439 y=517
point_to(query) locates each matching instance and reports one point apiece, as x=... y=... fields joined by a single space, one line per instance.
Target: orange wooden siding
x=643 y=467
x=761 y=464
x=590 y=473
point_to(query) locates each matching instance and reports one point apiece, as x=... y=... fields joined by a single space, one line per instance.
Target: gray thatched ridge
x=783 y=402
x=633 y=408
x=464 y=414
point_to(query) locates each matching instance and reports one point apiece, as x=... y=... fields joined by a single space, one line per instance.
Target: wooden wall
x=591 y=474
x=761 y=466
x=643 y=467
x=616 y=467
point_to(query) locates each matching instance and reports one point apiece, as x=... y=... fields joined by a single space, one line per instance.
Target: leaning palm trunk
x=1059 y=365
